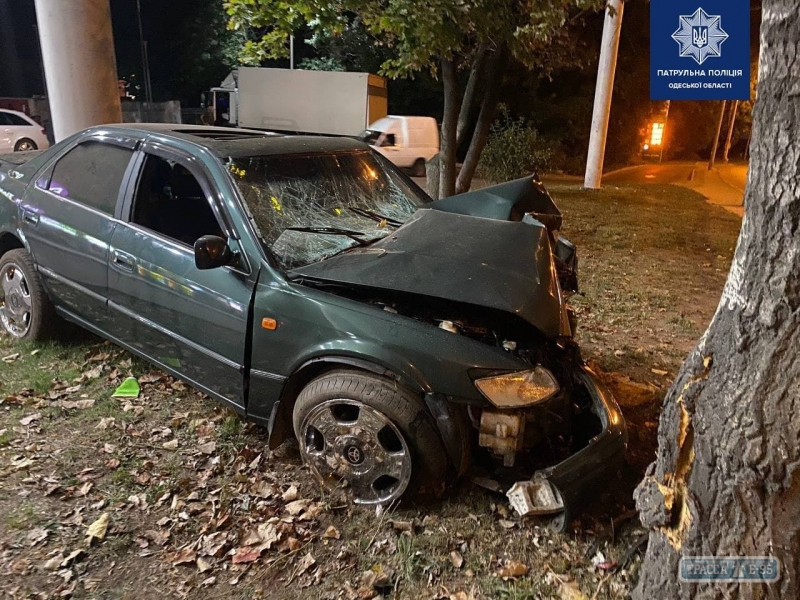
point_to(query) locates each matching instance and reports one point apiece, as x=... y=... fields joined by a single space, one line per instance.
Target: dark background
x=191 y=50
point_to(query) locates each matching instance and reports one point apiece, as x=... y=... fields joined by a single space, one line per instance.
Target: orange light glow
x=268 y=323
x=657 y=134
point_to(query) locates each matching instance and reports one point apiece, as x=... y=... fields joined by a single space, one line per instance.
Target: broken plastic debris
x=127 y=389
x=448 y=326
x=535 y=497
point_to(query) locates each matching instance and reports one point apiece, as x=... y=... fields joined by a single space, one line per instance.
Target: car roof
x=236 y=142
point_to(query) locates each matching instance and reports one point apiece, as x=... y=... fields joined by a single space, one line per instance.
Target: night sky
x=20 y=67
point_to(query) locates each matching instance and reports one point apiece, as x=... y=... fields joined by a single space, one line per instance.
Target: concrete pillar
x=606 y=68
x=79 y=63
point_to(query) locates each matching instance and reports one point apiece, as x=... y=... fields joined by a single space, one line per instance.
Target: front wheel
x=372 y=433
x=25 y=310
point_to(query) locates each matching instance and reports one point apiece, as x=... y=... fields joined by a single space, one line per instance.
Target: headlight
x=518 y=390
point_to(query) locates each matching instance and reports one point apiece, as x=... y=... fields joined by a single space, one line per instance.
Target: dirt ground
x=169 y=495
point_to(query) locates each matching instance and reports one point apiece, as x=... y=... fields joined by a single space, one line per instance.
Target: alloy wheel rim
x=15 y=301
x=25 y=147
x=347 y=440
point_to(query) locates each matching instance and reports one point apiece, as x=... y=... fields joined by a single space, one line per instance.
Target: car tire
x=25 y=145
x=31 y=316
x=371 y=432
x=418 y=168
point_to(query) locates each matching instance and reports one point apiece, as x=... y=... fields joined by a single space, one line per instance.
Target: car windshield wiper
x=353 y=235
x=375 y=216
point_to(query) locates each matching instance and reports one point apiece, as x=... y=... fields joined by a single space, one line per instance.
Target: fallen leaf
x=30 y=419
x=331 y=533
x=184 y=557
x=214 y=544
x=207 y=448
x=659 y=372
x=570 y=591
x=11 y=357
x=208 y=581
x=36 y=536
x=512 y=569
x=305 y=564
x=246 y=554
x=296 y=507
x=462 y=596
x=290 y=495
x=456 y=559
x=402 y=525
x=203 y=565
x=170 y=445
x=97 y=530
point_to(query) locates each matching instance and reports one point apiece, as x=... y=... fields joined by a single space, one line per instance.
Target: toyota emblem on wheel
x=354 y=455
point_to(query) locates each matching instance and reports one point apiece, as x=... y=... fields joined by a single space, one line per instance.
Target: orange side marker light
x=268 y=323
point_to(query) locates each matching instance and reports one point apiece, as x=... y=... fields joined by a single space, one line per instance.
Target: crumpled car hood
x=484 y=262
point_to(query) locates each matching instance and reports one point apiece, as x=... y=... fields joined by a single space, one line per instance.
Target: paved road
x=672 y=172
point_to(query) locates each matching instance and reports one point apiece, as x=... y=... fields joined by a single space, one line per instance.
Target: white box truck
x=296 y=100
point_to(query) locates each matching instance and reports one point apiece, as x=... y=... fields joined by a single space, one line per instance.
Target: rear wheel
x=25 y=145
x=25 y=310
x=372 y=433
x=418 y=169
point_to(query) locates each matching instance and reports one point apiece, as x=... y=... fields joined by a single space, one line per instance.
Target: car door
x=68 y=217
x=6 y=134
x=192 y=322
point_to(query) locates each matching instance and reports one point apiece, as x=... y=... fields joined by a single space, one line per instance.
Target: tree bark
x=447 y=155
x=470 y=92
x=496 y=70
x=726 y=480
x=432 y=177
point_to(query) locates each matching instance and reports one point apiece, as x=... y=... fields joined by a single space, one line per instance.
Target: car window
x=16 y=120
x=91 y=173
x=4 y=119
x=169 y=200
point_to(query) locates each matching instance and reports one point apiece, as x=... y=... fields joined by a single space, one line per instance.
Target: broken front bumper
x=562 y=489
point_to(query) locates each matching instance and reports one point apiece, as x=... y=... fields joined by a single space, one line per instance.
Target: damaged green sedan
x=312 y=287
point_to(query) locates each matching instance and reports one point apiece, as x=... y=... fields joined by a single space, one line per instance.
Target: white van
x=406 y=141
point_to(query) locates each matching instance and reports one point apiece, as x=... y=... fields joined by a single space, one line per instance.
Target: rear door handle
x=30 y=216
x=123 y=261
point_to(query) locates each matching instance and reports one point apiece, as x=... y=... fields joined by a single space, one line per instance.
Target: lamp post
x=79 y=64
x=609 y=47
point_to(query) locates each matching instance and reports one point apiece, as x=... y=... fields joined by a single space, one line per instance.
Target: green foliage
x=419 y=34
x=321 y=63
x=514 y=149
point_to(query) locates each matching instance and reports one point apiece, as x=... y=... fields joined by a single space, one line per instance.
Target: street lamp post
x=609 y=47
x=79 y=64
x=716 y=136
x=148 y=90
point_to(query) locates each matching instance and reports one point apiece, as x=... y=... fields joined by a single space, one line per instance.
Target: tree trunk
x=447 y=155
x=496 y=70
x=726 y=480
x=470 y=93
x=432 y=177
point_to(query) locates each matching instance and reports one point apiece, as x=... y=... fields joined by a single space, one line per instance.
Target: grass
x=21 y=517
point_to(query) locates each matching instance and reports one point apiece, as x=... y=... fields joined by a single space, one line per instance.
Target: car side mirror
x=211 y=252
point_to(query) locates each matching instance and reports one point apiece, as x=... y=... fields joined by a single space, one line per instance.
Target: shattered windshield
x=308 y=207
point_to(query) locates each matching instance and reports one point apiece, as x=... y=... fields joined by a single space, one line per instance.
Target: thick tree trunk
x=496 y=70
x=726 y=481
x=447 y=155
x=470 y=93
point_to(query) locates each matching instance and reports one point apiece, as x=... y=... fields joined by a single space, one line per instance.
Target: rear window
x=91 y=173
